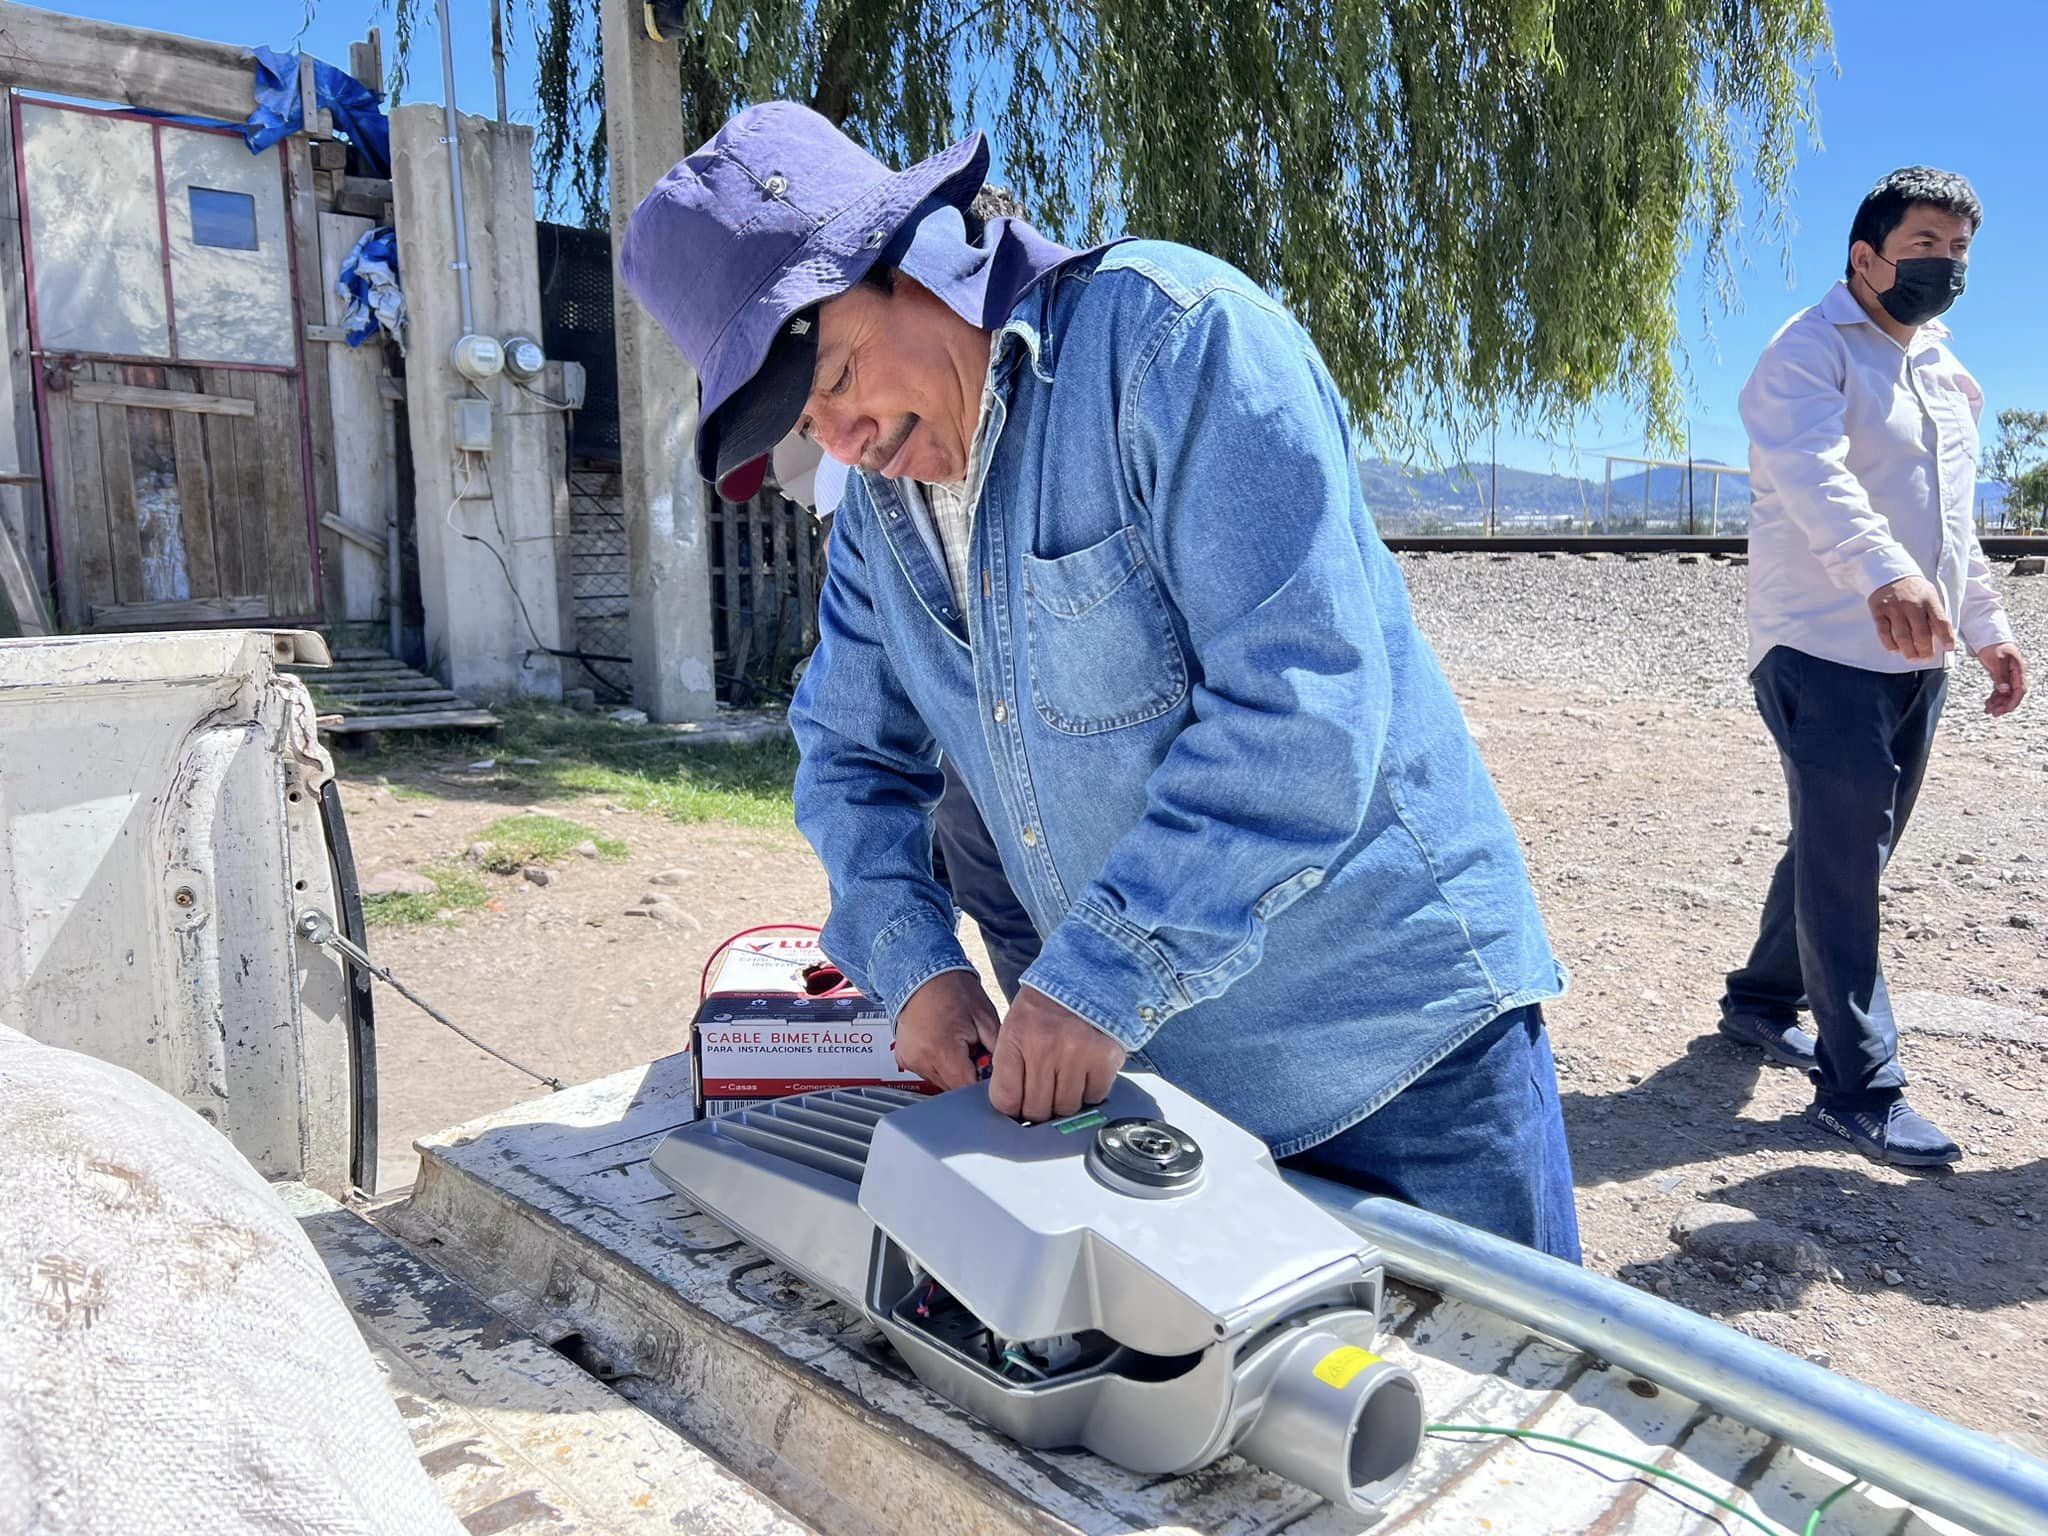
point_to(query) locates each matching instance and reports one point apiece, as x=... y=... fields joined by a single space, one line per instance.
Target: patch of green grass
x=456 y=889
x=516 y=841
x=638 y=767
x=748 y=786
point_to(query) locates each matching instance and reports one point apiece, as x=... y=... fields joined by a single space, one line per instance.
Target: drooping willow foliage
x=1481 y=208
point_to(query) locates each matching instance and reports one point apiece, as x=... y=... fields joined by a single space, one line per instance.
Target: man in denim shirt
x=1107 y=551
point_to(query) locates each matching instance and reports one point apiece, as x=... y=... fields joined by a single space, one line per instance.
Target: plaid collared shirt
x=952 y=507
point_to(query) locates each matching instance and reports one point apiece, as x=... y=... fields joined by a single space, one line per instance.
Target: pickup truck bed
x=551 y=1209
x=518 y=1439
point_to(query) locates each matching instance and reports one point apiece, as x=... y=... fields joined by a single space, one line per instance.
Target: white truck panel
x=159 y=833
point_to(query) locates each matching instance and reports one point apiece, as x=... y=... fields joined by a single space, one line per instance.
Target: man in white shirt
x=1865 y=574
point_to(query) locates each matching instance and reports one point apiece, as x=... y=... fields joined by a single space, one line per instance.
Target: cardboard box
x=764 y=1031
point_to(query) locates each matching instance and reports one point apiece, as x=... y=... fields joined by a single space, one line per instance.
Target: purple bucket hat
x=779 y=212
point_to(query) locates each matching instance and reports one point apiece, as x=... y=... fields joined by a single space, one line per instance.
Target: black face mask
x=1922 y=287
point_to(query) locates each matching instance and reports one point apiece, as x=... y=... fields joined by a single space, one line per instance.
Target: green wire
x=1826 y=1504
x=1812 y=1525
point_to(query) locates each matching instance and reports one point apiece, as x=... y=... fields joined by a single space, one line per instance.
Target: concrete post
x=667 y=515
x=485 y=523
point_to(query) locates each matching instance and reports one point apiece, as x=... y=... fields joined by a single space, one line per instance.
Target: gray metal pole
x=1991 y=1488
x=1493 y=495
x=394 y=576
x=498 y=52
x=461 y=263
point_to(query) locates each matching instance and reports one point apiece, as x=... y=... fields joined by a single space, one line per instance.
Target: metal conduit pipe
x=454 y=163
x=1991 y=1488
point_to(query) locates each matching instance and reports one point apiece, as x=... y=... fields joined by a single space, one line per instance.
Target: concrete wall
x=515 y=500
x=667 y=506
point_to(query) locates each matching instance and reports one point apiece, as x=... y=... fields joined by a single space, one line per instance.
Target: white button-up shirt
x=1862 y=470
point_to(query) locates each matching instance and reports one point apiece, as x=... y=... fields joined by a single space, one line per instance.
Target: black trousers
x=1854 y=745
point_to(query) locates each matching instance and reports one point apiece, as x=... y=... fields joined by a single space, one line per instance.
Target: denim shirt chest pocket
x=1101 y=646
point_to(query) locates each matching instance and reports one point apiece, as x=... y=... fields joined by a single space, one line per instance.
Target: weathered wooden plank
x=364 y=196
x=325 y=597
x=346 y=669
x=290 y=579
x=159 y=508
x=229 y=486
x=503 y=1423
x=195 y=498
x=729 y=586
x=98 y=393
x=86 y=529
x=361 y=538
x=764 y=577
x=21 y=500
x=117 y=483
x=76 y=56
x=439 y=720
x=366 y=60
x=252 y=511
x=199 y=610
x=386 y=685
x=806 y=582
x=68 y=554
x=19 y=590
x=355 y=446
x=435 y=699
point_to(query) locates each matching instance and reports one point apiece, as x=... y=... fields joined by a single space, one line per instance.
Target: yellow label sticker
x=1340 y=1366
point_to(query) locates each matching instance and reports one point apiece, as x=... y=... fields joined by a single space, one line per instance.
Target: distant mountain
x=1405 y=499
x=1409 y=500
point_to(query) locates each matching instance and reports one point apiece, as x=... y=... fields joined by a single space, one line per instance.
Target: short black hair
x=1885 y=206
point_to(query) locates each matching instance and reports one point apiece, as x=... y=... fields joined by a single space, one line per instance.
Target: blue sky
x=1956 y=85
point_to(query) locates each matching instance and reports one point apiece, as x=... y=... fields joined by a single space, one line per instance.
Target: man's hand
x=1050 y=1061
x=2008 y=671
x=1912 y=619
x=942 y=1026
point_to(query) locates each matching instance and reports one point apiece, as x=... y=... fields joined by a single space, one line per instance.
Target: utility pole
x=1691 y=521
x=667 y=510
x=1493 y=495
x=498 y=52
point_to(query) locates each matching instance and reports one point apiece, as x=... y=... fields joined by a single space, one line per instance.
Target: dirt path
x=1651 y=823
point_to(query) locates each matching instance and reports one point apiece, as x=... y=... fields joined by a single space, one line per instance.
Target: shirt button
x=1001 y=711
x=1030 y=837
x=1147 y=1014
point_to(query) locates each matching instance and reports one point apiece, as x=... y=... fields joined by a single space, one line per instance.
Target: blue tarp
x=280 y=112
x=369 y=281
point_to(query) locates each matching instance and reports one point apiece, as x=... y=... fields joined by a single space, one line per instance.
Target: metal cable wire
x=320 y=931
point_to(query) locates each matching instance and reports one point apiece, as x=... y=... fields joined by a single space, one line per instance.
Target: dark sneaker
x=1783 y=1045
x=1887 y=1133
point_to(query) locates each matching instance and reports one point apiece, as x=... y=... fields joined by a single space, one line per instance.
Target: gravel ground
x=1607 y=697
x=1630 y=624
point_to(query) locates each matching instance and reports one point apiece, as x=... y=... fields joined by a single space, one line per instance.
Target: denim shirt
x=1228 y=779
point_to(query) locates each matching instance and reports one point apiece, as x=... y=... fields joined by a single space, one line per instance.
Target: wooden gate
x=163 y=305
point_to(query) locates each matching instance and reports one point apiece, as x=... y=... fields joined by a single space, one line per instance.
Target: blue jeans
x=965 y=860
x=1855 y=745
x=1478 y=1138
